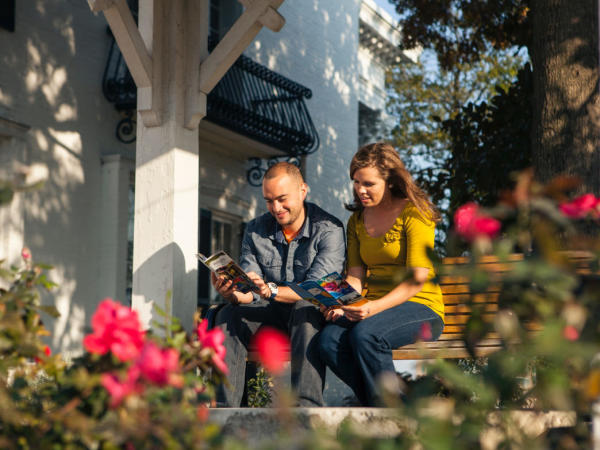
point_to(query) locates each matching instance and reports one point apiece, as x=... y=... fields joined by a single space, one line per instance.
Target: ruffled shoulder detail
x=395 y=233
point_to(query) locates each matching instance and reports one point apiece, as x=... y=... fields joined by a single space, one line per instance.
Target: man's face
x=285 y=199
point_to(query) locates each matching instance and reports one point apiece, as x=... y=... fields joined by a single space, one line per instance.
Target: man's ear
x=303 y=190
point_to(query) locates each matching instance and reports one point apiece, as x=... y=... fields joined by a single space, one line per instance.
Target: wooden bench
x=457 y=297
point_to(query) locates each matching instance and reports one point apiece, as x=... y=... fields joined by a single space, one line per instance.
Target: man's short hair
x=284 y=167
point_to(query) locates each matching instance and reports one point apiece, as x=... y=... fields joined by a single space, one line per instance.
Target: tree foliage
x=489 y=143
x=460 y=119
x=459 y=31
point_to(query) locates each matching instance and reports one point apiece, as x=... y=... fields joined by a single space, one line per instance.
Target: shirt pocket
x=270 y=262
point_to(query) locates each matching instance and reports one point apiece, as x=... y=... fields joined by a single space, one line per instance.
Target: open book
x=222 y=265
x=331 y=291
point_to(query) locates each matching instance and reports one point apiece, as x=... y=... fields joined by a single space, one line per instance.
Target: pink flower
x=26 y=254
x=118 y=389
x=579 y=207
x=116 y=328
x=273 y=349
x=159 y=366
x=470 y=223
x=202 y=413
x=213 y=339
x=425 y=332
x=570 y=333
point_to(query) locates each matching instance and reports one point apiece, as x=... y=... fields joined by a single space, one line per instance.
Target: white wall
x=318 y=48
x=55 y=61
x=51 y=81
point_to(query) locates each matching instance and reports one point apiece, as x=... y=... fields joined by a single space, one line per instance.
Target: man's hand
x=263 y=289
x=331 y=314
x=226 y=290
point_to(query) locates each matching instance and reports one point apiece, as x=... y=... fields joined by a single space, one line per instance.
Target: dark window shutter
x=204 y=238
x=7 y=14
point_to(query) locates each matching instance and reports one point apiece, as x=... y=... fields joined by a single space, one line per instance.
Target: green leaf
x=50 y=310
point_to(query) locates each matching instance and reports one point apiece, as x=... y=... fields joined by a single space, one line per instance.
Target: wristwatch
x=273 y=288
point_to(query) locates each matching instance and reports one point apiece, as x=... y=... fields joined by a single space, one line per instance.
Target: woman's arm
x=401 y=293
x=355 y=277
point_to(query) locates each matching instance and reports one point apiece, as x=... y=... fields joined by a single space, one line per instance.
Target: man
x=293 y=242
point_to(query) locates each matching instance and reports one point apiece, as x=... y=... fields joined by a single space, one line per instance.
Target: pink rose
x=115 y=328
x=118 y=389
x=213 y=339
x=202 y=413
x=273 y=349
x=581 y=206
x=26 y=254
x=425 y=332
x=470 y=223
x=159 y=366
x=570 y=333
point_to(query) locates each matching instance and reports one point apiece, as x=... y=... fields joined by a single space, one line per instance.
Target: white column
x=166 y=186
x=12 y=223
x=112 y=276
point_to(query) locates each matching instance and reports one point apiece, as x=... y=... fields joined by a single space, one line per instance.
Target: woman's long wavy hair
x=386 y=160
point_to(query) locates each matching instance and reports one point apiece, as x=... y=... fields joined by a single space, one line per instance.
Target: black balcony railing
x=250 y=99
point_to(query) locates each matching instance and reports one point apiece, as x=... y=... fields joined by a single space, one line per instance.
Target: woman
x=392 y=226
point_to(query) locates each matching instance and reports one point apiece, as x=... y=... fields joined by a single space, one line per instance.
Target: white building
x=53 y=111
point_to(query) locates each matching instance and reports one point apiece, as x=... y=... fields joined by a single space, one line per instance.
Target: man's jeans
x=301 y=321
x=359 y=352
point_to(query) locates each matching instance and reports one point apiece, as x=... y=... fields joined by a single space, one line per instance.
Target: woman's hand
x=356 y=313
x=332 y=314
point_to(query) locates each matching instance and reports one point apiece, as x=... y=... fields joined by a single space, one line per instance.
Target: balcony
x=250 y=99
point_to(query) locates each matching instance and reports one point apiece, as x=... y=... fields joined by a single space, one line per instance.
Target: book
x=331 y=291
x=223 y=265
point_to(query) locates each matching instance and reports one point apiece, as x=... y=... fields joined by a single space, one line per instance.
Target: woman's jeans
x=359 y=352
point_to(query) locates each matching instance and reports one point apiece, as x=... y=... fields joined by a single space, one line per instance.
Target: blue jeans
x=302 y=321
x=359 y=352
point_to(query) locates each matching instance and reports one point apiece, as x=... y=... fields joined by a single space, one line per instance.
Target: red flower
x=470 y=223
x=116 y=328
x=202 y=413
x=571 y=333
x=213 y=339
x=580 y=206
x=273 y=349
x=118 y=389
x=46 y=351
x=159 y=366
x=425 y=332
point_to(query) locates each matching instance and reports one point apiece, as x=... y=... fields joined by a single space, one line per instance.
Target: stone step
x=258 y=427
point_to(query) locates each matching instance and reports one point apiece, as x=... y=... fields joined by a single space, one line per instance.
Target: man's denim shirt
x=317 y=250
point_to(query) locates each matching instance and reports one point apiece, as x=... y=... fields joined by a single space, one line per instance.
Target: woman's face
x=370 y=187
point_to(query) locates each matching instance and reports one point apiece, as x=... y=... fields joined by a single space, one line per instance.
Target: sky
x=387 y=7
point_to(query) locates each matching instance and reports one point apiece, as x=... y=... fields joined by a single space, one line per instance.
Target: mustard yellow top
x=386 y=257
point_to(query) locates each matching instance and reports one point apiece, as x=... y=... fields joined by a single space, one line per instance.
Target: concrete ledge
x=258 y=425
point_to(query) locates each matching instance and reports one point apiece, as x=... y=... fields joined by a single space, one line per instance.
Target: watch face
x=273 y=288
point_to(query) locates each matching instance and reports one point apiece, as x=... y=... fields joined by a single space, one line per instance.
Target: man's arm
x=330 y=256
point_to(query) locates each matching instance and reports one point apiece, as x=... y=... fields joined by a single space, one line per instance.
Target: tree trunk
x=566 y=120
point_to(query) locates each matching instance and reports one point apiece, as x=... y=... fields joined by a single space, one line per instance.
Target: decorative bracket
x=135 y=53
x=255 y=174
x=237 y=39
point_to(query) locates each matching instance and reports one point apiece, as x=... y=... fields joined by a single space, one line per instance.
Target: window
x=130 y=217
x=7 y=14
x=223 y=14
x=217 y=231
